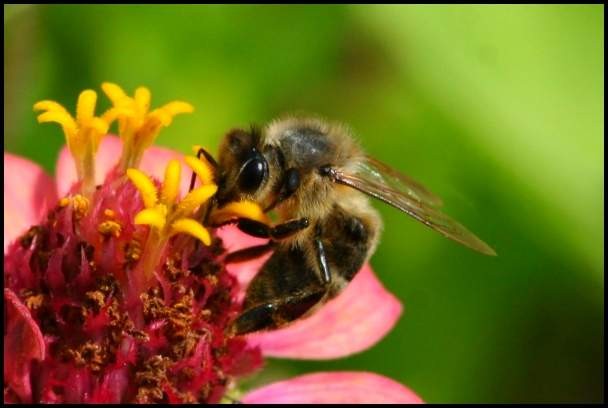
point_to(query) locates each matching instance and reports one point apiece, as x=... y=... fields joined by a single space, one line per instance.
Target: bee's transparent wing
x=381 y=173
x=384 y=183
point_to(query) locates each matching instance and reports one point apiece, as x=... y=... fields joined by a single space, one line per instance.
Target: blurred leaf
x=528 y=84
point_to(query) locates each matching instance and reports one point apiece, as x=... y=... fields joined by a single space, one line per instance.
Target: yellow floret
x=138 y=126
x=82 y=133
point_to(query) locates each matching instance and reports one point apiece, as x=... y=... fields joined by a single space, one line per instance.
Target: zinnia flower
x=114 y=292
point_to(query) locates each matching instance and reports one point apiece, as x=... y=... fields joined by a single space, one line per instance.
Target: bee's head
x=243 y=167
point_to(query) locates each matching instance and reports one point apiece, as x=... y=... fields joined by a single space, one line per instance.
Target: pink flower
x=82 y=325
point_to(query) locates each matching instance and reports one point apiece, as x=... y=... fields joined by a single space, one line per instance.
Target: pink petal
x=28 y=194
x=153 y=163
x=234 y=240
x=106 y=158
x=354 y=321
x=23 y=342
x=334 y=388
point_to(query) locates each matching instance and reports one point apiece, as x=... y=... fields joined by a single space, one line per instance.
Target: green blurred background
x=498 y=109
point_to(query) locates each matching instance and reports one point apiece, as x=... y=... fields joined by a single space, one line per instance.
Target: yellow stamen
x=166 y=217
x=62 y=118
x=177 y=107
x=145 y=186
x=191 y=227
x=138 y=125
x=171 y=182
x=85 y=108
x=195 y=198
x=142 y=98
x=82 y=133
x=133 y=250
x=114 y=92
x=108 y=228
x=79 y=203
x=240 y=209
x=155 y=217
x=109 y=213
x=47 y=105
x=202 y=169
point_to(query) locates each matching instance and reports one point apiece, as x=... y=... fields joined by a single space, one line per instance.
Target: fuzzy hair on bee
x=318 y=180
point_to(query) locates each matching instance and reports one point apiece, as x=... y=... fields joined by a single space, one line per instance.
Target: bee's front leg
x=278 y=232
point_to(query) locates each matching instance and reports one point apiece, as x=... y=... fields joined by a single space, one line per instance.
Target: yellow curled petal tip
x=142 y=98
x=85 y=107
x=177 y=107
x=62 y=118
x=145 y=186
x=152 y=217
x=202 y=169
x=193 y=228
x=114 y=92
x=171 y=182
x=49 y=105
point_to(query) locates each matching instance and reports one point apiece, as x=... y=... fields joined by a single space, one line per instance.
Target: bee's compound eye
x=292 y=180
x=252 y=174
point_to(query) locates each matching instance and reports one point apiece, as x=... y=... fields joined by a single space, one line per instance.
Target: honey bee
x=317 y=179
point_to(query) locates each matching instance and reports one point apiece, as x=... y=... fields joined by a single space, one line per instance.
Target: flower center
x=107 y=342
x=124 y=284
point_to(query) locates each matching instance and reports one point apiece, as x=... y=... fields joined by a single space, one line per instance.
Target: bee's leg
x=209 y=158
x=321 y=259
x=279 y=231
x=277 y=313
x=247 y=254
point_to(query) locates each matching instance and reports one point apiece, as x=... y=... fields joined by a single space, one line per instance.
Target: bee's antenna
x=256 y=132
